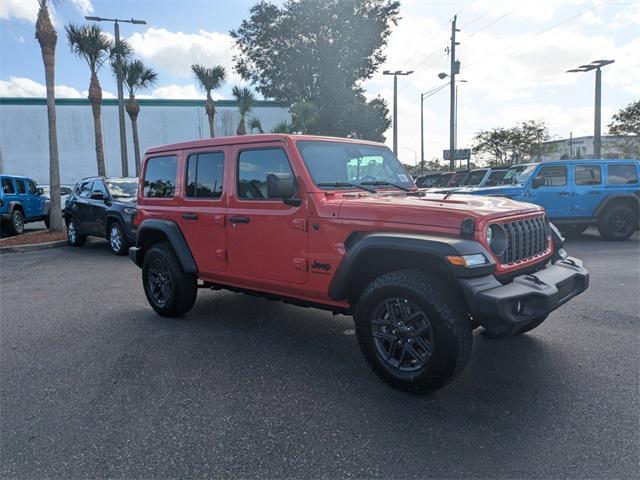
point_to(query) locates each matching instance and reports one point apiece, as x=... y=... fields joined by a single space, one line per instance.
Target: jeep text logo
x=321 y=266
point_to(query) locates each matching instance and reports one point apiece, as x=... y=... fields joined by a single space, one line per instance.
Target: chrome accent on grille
x=525 y=239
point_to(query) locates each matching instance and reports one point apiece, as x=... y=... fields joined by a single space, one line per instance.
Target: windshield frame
x=385 y=153
x=522 y=175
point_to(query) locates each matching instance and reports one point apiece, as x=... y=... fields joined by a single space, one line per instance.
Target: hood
x=125 y=201
x=499 y=190
x=433 y=209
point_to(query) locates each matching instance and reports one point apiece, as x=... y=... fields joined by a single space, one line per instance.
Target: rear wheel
x=170 y=291
x=412 y=331
x=73 y=236
x=617 y=223
x=117 y=239
x=16 y=223
x=573 y=229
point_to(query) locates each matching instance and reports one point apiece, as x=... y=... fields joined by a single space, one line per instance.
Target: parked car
x=579 y=193
x=102 y=207
x=428 y=180
x=338 y=224
x=481 y=177
x=65 y=191
x=442 y=180
x=21 y=202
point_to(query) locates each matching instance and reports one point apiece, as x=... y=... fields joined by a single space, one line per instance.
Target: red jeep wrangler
x=338 y=224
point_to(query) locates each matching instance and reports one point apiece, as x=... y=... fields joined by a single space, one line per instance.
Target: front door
x=553 y=191
x=267 y=237
x=202 y=210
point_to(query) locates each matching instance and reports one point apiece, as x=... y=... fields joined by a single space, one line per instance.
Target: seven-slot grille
x=525 y=239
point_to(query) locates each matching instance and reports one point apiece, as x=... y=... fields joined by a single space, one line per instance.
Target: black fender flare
x=436 y=247
x=108 y=217
x=634 y=198
x=172 y=232
x=13 y=204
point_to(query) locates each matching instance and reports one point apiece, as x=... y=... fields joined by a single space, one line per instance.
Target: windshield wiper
x=346 y=184
x=380 y=183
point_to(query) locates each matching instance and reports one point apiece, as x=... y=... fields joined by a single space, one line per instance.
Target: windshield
x=519 y=174
x=346 y=163
x=442 y=180
x=123 y=188
x=475 y=177
x=496 y=177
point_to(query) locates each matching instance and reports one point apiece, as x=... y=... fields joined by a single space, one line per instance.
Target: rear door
x=587 y=190
x=23 y=198
x=97 y=208
x=554 y=191
x=267 y=238
x=203 y=207
x=79 y=208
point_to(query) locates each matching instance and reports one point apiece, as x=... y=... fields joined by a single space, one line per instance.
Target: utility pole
x=422 y=133
x=455 y=69
x=597 y=136
x=123 y=135
x=395 y=105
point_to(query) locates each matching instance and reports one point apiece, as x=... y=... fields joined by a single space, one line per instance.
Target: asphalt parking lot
x=94 y=384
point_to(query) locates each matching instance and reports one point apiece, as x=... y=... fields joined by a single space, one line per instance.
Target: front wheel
x=117 y=239
x=412 y=331
x=170 y=291
x=617 y=223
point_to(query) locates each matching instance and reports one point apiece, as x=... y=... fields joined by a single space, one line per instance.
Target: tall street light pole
x=395 y=105
x=455 y=69
x=123 y=136
x=597 y=136
x=422 y=98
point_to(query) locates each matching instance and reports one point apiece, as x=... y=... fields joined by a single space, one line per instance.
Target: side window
x=33 y=189
x=588 y=175
x=98 y=187
x=253 y=168
x=205 y=174
x=160 y=177
x=84 y=189
x=622 y=174
x=22 y=189
x=7 y=186
x=553 y=176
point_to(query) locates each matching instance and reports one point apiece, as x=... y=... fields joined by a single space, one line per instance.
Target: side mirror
x=282 y=185
x=40 y=191
x=537 y=182
x=97 y=196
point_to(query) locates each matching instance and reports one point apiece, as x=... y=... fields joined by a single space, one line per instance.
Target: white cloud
x=25 y=87
x=83 y=6
x=20 y=9
x=625 y=72
x=177 y=92
x=175 y=52
x=538 y=11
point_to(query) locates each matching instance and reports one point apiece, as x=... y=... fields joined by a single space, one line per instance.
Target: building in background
x=613 y=146
x=24 y=144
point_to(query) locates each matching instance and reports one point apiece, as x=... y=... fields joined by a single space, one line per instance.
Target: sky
x=514 y=55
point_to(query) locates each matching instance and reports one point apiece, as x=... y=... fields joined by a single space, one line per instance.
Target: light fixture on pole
x=395 y=104
x=595 y=65
x=123 y=137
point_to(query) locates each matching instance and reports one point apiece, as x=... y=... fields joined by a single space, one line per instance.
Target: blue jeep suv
x=579 y=193
x=20 y=202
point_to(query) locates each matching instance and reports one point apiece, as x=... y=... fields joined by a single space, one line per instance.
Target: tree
x=505 y=146
x=320 y=53
x=47 y=38
x=627 y=122
x=282 y=127
x=209 y=79
x=304 y=116
x=135 y=76
x=92 y=44
x=246 y=101
x=255 y=124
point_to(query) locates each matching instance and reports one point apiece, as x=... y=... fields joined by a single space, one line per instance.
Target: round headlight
x=496 y=239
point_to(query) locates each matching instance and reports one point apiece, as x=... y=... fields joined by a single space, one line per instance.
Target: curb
x=32 y=247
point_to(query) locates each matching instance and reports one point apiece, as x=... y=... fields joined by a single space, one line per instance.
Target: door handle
x=239 y=219
x=564 y=194
x=190 y=216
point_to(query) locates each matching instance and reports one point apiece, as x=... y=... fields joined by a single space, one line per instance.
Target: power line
x=496 y=20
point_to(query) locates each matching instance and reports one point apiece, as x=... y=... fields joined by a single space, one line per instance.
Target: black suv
x=102 y=207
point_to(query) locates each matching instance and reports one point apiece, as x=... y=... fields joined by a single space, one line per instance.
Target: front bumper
x=135 y=254
x=505 y=309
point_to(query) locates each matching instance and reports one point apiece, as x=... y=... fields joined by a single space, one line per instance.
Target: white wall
x=24 y=144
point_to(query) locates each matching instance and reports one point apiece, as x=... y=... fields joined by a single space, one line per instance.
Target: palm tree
x=135 y=76
x=92 y=44
x=47 y=38
x=246 y=101
x=282 y=127
x=210 y=79
x=255 y=124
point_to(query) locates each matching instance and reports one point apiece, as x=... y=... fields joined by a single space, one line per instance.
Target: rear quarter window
x=160 y=177
x=622 y=174
x=7 y=186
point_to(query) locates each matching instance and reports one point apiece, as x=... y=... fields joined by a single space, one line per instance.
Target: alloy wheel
x=71 y=232
x=18 y=222
x=402 y=334
x=159 y=282
x=115 y=238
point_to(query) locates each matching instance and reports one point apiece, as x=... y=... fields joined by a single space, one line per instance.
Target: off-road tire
x=572 y=230
x=451 y=330
x=16 y=223
x=617 y=223
x=74 y=238
x=122 y=246
x=182 y=287
x=536 y=322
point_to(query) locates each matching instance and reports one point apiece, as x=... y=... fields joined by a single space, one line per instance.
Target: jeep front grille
x=525 y=239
